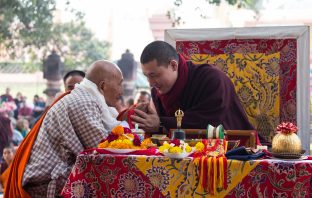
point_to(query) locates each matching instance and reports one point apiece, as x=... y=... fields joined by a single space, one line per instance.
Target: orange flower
x=118 y=130
x=146 y=143
x=103 y=144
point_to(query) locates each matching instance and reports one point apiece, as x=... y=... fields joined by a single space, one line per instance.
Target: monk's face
x=71 y=81
x=161 y=77
x=112 y=89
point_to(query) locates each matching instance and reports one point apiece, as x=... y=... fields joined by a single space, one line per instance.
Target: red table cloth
x=109 y=175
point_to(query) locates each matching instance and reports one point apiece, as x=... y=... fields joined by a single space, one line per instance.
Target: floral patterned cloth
x=105 y=175
x=277 y=179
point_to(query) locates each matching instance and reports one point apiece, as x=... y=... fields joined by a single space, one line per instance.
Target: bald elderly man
x=78 y=121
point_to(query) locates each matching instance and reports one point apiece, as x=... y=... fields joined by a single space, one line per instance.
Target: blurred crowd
x=18 y=115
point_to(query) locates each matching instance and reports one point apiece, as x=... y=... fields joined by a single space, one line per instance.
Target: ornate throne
x=269 y=67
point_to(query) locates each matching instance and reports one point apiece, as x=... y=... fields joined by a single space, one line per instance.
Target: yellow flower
x=188 y=149
x=123 y=145
x=113 y=144
x=166 y=145
x=103 y=144
x=122 y=137
x=118 y=130
x=199 y=146
x=146 y=143
x=175 y=149
x=127 y=141
x=162 y=149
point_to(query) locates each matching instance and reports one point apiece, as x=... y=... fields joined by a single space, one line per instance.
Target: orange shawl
x=4 y=178
x=14 y=186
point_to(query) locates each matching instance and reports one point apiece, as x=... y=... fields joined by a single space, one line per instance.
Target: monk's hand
x=149 y=121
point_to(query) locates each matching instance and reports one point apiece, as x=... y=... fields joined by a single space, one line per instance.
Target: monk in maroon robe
x=203 y=92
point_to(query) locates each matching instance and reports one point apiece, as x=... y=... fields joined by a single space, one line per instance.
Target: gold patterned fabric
x=256 y=81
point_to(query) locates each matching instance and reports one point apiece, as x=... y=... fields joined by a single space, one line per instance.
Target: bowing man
x=77 y=120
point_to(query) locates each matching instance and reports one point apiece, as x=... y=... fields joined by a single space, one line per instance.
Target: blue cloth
x=17 y=137
x=242 y=154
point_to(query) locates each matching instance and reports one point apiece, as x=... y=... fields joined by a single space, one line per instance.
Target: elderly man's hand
x=149 y=121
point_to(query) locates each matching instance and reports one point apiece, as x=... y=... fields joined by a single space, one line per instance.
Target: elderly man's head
x=108 y=78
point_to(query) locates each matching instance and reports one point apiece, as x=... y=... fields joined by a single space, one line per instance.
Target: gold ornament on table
x=179 y=116
x=179 y=134
x=286 y=141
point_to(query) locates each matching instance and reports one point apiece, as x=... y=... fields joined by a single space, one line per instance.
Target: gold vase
x=286 y=143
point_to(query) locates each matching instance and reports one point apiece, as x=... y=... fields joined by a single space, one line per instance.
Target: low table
x=109 y=175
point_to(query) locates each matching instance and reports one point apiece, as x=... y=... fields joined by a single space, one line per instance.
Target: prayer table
x=121 y=175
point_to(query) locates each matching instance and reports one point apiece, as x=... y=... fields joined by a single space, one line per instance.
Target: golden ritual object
x=179 y=134
x=286 y=141
x=179 y=116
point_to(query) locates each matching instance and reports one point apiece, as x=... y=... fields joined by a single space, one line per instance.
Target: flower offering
x=286 y=128
x=176 y=146
x=123 y=138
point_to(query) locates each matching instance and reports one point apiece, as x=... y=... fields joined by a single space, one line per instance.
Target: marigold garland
x=122 y=138
x=118 y=130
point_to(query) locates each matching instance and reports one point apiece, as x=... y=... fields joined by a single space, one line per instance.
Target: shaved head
x=108 y=78
x=102 y=70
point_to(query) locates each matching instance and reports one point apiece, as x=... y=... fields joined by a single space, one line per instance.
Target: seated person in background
x=144 y=97
x=130 y=102
x=17 y=137
x=6 y=132
x=39 y=106
x=203 y=92
x=71 y=78
x=77 y=121
x=8 y=154
x=22 y=125
x=18 y=102
x=7 y=97
x=25 y=111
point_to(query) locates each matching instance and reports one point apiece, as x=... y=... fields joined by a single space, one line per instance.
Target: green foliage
x=77 y=45
x=27 y=30
x=247 y=4
x=25 y=23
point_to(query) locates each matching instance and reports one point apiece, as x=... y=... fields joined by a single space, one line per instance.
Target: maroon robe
x=208 y=97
